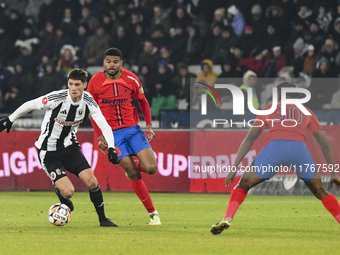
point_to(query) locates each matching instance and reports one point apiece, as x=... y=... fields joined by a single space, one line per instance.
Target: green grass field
x=263 y=225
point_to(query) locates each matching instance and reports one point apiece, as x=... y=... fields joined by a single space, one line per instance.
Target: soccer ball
x=59 y=214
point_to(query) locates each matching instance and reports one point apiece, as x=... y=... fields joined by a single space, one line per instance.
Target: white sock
x=154 y=212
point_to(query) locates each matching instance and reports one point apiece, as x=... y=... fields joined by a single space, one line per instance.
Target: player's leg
x=139 y=187
x=147 y=161
x=328 y=200
x=76 y=163
x=96 y=196
x=54 y=169
x=249 y=179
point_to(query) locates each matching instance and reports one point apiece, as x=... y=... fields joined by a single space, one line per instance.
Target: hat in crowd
x=310 y=47
x=329 y=42
x=256 y=9
x=71 y=49
x=181 y=65
x=275 y=48
x=24 y=44
x=248 y=28
x=233 y=10
x=299 y=44
x=163 y=48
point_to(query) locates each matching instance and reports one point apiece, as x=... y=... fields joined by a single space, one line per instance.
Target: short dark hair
x=113 y=52
x=287 y=85
x=78 y=74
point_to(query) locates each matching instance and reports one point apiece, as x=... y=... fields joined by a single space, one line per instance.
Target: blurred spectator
x=145 y=76
x=87 y=17
x=199 y=20
x=174 y=7
x=5 y=77
x=276 y=62
x=59 y=41
x=334 y=31
x=229 y=70
x=275 y=16
x=74 y=6
x=20 y=88
x=178 y=43
x=80 y=40
x=298 y=56
x=160 y=18
x=149 y=56
x=298 y=31
x=270 y=38
x=93 y=51
x=166 y=55
x=311 y=59
x=219 y=18
x=208 y=77
x=122 y=41
x=322 y=89
x=288 y=7
x=330 y=52
x=181 y=82
x=27 y=60
x=66 y=60
x=257 y=20
x=122 y=16
x=304 y=13
x=49 y=12
x=210 y=42
x=47 y=40
x=195 y=45
x=28 y=36
x=40 y=70
x=249 y=41
x=68 y=23
x=33 y=8
x=236 y=19
x=14 y=25
x=159 y=36
x=138 y=38
x=50 y=81
x=107 y=23
x=17 y=5
x=256 y=61
x=249 y=81
x=181 y=17
x=94 y=6
x=324 y=17
x=227 y=40
x=315 y=35
x=6 y=45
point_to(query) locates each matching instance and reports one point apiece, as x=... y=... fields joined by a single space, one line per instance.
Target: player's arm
x=251 y=137
x=144 y=106
x=101 y=122
x=327 y=151
x=21 y=111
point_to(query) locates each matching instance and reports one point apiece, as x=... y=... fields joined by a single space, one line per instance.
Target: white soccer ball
x=59 y=214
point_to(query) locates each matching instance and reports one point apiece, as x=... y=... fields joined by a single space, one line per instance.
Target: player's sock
x=138 y=166
x=332 y=205
x=236 y=198
x=96 y=197
x=143 y=194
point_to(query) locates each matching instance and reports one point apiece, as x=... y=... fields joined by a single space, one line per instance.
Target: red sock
x=143 y=194
x=332 y=205
x=138 y=166
x=236 y=198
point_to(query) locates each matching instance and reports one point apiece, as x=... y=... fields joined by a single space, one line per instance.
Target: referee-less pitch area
x=263 y=225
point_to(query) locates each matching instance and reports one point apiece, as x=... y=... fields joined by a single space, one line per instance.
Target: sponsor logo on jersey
x=103 y=92
x=44 y=100
x=63 y=112
x=114 y=101
x=141 y=91
x=58 y=172
x=68 y=123
x=80 y=112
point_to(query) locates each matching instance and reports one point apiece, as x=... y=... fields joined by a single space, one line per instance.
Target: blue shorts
x=129 y=141
x=291 y=154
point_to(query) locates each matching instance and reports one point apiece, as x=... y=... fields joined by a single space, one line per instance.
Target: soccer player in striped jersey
x=58 y=149
x=286 y=147
x=113 y=89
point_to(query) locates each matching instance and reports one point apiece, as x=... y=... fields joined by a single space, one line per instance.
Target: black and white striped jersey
x=63 y=117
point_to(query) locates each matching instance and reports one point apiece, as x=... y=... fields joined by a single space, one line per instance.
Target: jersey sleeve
x=99 y=120
x=91 y=90
x=46 y=102
x=314 y=124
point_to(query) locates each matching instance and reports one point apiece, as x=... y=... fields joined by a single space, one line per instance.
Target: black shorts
x=54 y=163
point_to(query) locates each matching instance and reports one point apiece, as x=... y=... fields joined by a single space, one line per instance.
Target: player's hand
x=151 y=134
x=230 y=178
x=5 y=124
x=103 y=146
x=112 y=155
x=336 y=180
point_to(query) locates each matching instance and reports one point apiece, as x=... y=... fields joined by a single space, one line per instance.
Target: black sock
x=97 y=200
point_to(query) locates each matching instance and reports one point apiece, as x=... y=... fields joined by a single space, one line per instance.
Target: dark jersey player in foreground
x=113 y=89
x=57 y=146
x=286 y=146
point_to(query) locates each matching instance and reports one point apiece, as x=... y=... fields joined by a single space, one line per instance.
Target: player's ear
x=85 y=85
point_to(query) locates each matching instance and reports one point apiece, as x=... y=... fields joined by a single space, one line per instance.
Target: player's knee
x=92 y=183
x=133 y=174
x=68 y=192
x=151 y=169
x=245 y=184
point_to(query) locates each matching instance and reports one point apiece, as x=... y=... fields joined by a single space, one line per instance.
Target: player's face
x=76 y=89
x=112 y=65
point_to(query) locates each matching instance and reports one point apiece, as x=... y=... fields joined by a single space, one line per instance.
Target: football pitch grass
x=263 y=225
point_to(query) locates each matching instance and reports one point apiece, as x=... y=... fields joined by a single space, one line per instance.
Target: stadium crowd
x=293 y=40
